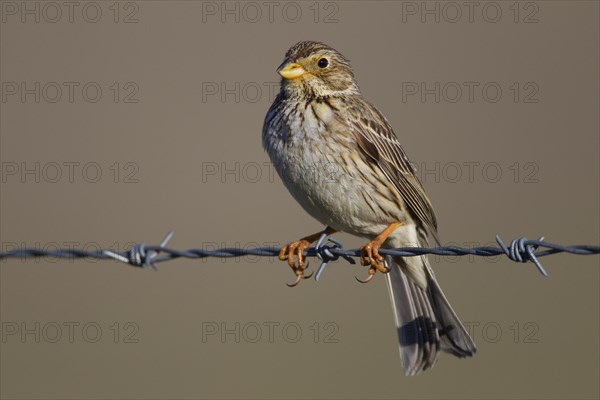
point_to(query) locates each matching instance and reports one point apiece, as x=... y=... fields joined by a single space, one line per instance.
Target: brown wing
x=377 y=140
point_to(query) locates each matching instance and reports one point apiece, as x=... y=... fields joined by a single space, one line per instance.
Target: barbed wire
x=520 y=250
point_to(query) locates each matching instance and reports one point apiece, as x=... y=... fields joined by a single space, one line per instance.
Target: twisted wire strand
x=519 y=250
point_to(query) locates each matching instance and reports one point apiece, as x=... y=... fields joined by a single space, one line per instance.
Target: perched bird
x=340 y=159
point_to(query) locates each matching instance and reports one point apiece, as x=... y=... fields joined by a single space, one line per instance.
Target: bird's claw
x=299 y=276
x=288 y=251
x=369 y=255
x=298 y=279
x=371 y=275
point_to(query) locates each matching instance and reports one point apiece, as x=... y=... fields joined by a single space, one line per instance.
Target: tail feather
x=404 y=305
x=456 y=340
x=425 y=320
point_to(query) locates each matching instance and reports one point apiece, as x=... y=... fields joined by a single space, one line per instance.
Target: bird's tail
x=426 y=322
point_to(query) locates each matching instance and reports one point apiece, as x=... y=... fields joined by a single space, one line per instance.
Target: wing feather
x=378 y=141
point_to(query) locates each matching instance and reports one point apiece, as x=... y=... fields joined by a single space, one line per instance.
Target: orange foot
x=369 y=253
x=297 y=248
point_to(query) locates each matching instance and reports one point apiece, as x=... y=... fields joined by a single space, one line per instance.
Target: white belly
x=314 y=169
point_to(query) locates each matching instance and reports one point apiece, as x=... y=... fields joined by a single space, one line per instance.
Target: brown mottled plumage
x=340 y=159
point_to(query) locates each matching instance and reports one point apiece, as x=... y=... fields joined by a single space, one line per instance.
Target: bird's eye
x=323 y=63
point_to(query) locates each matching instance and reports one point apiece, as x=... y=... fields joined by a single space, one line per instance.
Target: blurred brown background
x=158 y=127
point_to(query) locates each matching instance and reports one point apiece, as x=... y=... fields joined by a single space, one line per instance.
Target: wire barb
x=138 y=256
x=323 y=252
x=522 y=250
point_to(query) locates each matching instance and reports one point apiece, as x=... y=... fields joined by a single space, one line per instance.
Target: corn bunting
x=340 y=159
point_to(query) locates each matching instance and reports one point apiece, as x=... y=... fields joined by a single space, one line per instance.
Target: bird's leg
x=297 y=248
x=369 y=253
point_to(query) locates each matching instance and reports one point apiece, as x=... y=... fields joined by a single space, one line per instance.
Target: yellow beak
x=291 y=70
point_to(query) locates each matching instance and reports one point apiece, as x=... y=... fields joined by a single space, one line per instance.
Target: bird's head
x=317 y=70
